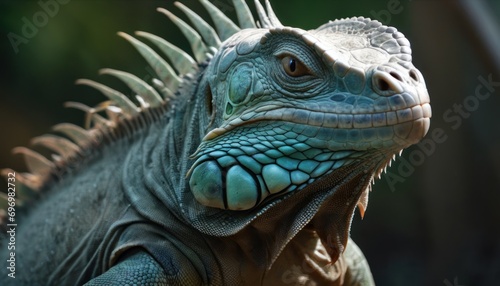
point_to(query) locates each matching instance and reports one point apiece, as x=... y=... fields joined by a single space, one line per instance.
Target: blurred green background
x=435 y=221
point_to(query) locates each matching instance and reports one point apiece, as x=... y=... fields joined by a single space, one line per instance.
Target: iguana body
x=246 y=172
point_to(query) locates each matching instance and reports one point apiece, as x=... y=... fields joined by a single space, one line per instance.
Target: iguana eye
x=294 y=67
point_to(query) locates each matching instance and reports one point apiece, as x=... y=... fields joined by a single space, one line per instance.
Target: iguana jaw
x=262 y=159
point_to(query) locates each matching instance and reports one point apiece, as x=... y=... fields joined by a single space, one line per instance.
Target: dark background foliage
x=432 y=220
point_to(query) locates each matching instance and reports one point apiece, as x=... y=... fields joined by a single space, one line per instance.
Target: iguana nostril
x=382 y=84
x=414 y=75
x=396 y=76
x=387 y=83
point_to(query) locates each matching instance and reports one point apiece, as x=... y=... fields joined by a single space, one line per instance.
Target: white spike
x=128 y=107
x=181 y=61
x=144 y=90
x=36 y=163
x=160 y=66
x=197 y=45
x=91 y=115
x=245 y=17
x=206 y=31
x=275 y=22
x=225 y=27
x=61 y=146
x=264 y=20
x=79 y=135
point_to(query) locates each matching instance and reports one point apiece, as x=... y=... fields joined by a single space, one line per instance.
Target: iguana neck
x=159 y=159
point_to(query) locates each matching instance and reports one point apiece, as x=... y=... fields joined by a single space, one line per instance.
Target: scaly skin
x=249 y=175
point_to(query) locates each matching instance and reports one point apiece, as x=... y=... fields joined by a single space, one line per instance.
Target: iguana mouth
x=401 y=120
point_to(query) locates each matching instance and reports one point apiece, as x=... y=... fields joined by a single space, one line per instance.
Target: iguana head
x=292 y=106
x=298 y=111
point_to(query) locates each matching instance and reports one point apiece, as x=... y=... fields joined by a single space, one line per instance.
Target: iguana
x=239 y=165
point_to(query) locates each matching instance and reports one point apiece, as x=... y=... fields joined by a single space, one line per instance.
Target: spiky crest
x=123 y=116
